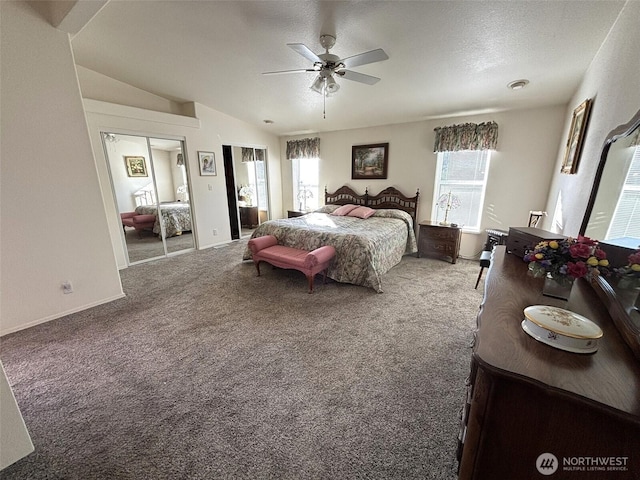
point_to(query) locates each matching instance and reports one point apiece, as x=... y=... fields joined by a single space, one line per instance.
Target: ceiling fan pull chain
x=324 y=99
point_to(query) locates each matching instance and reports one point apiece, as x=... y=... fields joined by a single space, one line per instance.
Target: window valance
x=305 y=148
x=468 y=136
x=252 y=154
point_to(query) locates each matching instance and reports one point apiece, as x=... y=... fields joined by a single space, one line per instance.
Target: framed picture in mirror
x=576 y=137
x=136 y=166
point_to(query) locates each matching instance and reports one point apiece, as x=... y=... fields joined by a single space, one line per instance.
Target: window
x=464 y=174
x=305 y=183
x=626 y=218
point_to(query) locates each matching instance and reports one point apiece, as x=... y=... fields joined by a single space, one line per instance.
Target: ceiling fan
x=327 y=65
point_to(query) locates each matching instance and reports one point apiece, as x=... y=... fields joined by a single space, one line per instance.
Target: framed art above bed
x=369 y=161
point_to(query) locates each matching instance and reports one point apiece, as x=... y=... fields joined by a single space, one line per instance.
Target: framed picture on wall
x=369 y=161
x=136 y=166
x=576 y=137
x=207 y=161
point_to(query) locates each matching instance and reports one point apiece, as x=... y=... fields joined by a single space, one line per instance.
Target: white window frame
x=624 y=216
x=312 y=203
x=437 y=214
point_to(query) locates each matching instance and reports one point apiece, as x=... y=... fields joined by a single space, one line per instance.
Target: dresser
x=525 y=399
x=249 y=217
x=439 y=240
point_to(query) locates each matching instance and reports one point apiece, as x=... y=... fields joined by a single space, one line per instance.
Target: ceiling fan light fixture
x=331 y=86
x=318 y=85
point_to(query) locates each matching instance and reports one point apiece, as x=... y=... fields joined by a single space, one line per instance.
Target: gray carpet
x=144 y=245
x=206 y=371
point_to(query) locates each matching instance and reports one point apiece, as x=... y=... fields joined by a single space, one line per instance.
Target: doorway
x=150 y=182
x=247 y=188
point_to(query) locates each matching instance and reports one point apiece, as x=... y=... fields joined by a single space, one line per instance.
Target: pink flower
x=576 y=270
x=580 y=250
x=600 y=254
x=586 y=240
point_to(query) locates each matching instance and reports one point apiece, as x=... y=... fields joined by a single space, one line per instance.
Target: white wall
x=207 y=132
x=613 y=81
x=100 y=87
x=124 y=185
x=53 y=222
x=519 y=174
x=164 y=175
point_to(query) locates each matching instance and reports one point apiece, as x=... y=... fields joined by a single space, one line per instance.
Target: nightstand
x=440 y=240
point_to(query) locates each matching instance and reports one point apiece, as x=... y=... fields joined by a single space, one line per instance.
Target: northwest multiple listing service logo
x=548 y=464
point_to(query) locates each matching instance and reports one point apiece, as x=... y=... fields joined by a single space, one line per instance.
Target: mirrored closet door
x=150 y=184
x=251 y=183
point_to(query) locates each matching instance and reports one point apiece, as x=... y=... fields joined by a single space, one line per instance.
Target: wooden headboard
x=390 y=197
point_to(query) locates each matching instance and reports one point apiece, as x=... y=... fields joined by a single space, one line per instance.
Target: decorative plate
x=561 y=328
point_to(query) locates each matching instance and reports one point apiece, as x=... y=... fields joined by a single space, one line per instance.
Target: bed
x=175 y=215
x=365 y=248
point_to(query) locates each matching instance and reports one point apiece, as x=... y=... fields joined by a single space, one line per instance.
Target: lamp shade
x=318 y=85
x=325 y=85
x=331 y=86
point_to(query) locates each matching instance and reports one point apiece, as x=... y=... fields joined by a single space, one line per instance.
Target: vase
x=557 y=287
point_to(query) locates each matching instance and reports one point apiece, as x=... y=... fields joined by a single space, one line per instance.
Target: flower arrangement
x=568 y=259
x=629 y=275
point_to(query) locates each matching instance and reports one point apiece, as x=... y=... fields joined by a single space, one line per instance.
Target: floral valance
x=305 y=148
x=468 y=136
x=252 y=155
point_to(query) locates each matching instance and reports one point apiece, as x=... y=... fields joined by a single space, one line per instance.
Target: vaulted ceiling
x=446 y=58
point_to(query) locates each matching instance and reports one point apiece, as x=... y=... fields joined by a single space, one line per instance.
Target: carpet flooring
x=205 y=371
x=146 y=245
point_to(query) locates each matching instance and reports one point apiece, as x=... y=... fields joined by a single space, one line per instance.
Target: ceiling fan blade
x=364 y=58
x=358 y=77
x=282 y=72
x=305 y=51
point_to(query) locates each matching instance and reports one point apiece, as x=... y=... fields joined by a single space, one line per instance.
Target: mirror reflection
x=614 y=214
x=251 y=186
x=150 y=183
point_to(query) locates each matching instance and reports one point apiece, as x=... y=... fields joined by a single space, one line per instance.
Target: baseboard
x=60 y=315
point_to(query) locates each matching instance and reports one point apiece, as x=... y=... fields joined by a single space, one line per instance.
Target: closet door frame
x=152 y=174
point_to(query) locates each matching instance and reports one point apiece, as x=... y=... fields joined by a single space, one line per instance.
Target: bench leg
x=310 y=279
x=479 y=276
x=257 y=267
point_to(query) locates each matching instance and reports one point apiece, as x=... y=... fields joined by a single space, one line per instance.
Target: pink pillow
x=361 y=212
x=344 y=209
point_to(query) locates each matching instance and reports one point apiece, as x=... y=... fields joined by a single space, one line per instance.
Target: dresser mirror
x=613 y=213
x=613 y=217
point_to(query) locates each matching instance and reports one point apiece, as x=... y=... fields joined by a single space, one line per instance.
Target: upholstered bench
x=485 y=262
x=139 y=222
x=266 y=249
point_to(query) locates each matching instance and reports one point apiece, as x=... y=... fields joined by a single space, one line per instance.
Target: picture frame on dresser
x=577 y=131
x=369 y=161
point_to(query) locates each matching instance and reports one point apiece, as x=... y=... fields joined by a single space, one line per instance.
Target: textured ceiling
x=446 y=58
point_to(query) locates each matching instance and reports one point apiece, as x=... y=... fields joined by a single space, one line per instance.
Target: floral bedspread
x=175 y=215
x=365 y=248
